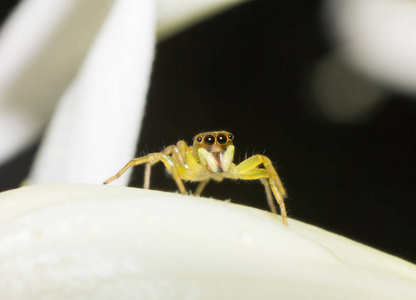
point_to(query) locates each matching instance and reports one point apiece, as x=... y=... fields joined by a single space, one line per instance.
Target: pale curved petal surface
x=106 y=242
x=95 y=128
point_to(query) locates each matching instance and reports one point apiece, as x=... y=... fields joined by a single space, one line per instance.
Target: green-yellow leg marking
x=167 y=161
x=182 y=151
x=189 y=168
x=258 y=159
x=189 y=159
x=262 y=175
x=171 y=150
x=193 y=170
x=247 y=170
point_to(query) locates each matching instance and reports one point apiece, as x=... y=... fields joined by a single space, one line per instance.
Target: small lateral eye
x=209 y=140
x=199 y=139
x=230 y=136
x=222 y=139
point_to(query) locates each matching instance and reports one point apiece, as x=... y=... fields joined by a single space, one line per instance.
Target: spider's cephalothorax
x=211 y=157
x=214 y=150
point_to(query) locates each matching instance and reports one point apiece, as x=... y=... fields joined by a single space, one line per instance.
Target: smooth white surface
x=106 y=242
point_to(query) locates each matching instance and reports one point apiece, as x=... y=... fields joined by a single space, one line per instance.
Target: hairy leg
x=150 y=158
x=269 y=195
x=201 y=187
x=254 y=161
x=170 y=151
x=248 y=170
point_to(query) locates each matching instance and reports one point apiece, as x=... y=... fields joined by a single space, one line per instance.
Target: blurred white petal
x=41 y=48
x=176 y=15
x=377 y=38
x=341 y=94
x=374 y=46
x=88 y=63
x=104 y=242
x=95 y=127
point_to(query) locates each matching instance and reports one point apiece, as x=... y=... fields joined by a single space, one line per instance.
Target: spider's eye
x=230 y=136
x=209 y=140
x=222 y=139
x=199 y=139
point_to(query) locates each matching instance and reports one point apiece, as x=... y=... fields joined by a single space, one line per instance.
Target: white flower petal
x=103 y=242
x=377 y=38
x=95 y=128
x=41 y=48
x=176 y=15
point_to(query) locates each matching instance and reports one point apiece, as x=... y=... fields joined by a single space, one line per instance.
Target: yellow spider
x=211 y=157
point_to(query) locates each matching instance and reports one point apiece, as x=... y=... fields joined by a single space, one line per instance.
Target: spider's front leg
x=150 y=158
x=185 y=165
x=248 y=170
x=169 y=151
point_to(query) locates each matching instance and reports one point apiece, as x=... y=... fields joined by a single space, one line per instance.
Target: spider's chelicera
x=211 y=157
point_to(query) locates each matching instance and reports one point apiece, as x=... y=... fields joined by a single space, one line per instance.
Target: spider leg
x=185 y=164
x=188 y=159
x=254 y=161
x=188 y=167
x=195 y=169
x=201 y=187
x=248 y=170
x=269 y=195
x=154 y=157
x=147 y=171
x=148 y=168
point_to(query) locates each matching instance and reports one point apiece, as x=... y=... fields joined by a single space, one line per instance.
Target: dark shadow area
x=15 y=171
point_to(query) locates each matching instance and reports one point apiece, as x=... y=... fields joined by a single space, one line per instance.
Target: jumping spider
x=211 y=157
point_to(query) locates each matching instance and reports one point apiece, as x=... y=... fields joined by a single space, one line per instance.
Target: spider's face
x=213 y=141
x=214 y=150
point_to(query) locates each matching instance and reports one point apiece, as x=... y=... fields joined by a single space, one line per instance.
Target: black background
x=246 y=71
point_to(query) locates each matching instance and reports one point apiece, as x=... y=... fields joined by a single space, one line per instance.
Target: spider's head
x=216 y=143
x=213 y=141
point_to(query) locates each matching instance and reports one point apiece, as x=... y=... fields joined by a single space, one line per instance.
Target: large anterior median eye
x=222 y=139
x=209 y=140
